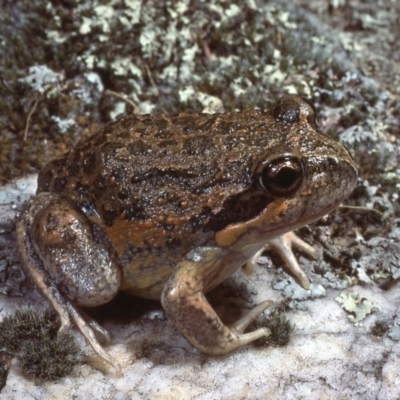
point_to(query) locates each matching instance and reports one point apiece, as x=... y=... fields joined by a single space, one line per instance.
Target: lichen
x=358 y=308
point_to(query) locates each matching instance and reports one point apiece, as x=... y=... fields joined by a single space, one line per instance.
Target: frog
x=167 y=207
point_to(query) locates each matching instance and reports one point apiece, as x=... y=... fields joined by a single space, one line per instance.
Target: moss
x=49 y=359
x=5 y=360
x=32 y=337
x=26 y=324
x=281 y=329
x=380 y=328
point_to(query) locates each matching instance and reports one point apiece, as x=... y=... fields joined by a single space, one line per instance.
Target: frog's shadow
x=230 y=300
x=123 y=309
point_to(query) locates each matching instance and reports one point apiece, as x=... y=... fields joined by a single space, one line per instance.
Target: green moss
x=32 y=337
x=380 y=328
x=26 y=324
x=51 y=358
x=281 y=329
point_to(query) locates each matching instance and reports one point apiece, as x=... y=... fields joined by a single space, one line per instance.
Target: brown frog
x=168 y=206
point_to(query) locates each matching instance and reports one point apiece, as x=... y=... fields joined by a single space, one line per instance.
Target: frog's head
x=302 y=176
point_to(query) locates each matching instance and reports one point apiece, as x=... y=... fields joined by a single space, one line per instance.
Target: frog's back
x=140 y=163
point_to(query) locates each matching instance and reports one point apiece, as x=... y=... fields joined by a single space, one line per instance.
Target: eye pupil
x=282 y=177
x=285 y=177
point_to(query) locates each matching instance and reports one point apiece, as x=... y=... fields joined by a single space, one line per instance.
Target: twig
x=152 y=83
x=28 y=120
x=122 y=97
x=361 y=209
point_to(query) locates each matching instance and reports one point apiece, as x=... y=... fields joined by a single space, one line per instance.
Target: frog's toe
x=241 y=325
x=101 y=333
x=89 y=334
x=65 y=325
x=283 y=245
x=236 y=339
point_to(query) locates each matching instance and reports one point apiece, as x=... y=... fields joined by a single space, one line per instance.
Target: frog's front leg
x=283 y=245
x=71 y=261
x=185 y=304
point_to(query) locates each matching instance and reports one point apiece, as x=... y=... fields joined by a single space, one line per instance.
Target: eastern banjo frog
x=168 y=206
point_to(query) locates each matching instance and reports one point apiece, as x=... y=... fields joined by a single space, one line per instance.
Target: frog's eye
x=281 y=176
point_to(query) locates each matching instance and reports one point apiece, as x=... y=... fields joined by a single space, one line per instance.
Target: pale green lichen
x=358 y=308
x=394 y=331
x=42 y=79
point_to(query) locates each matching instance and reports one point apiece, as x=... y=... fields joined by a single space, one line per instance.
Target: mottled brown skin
x=176 y=204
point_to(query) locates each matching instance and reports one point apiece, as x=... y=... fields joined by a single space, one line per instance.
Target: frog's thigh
x=76 y=253
x=66 y=256
x=185 y=304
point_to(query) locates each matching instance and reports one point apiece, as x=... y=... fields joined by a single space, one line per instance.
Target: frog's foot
x=241 y=325
x=89 y=334
x=101 y=333
x=185 y=304
x=71 y=263
x=283 y=245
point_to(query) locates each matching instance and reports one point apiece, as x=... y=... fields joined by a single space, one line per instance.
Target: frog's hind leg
x=185 y=304
x=89 y=334
x=101 y=333
x=241 y=325
x=71 y=262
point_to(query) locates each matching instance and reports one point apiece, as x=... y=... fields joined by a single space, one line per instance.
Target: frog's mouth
x=283 y=215
x=263 y=227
